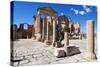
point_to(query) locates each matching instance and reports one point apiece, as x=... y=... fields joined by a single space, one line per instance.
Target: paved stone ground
x=31 y=52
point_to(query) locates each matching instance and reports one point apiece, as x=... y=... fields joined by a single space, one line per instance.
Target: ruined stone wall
x=20 y=33
x=74 y=28
x=77 y=28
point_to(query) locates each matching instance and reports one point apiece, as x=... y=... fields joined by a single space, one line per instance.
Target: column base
x=33 y=38
x=58 y=44
x=42 y=40
x=53 y=44
x=47 y=42
x=38 y=36
x=90 y=56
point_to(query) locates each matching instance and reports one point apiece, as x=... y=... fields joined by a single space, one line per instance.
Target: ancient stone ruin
x=20 y=32
x=53 y=30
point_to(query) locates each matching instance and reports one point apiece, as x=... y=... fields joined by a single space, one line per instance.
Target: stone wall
x=20 y=33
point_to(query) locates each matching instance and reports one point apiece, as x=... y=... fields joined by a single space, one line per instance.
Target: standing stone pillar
x=66 y=39
x=27 y=37
x=37 y=28
x=54 y=31
x=43 y=29
x=70 y=27
x=66 y=42
x=47 y=41
x=90 y=41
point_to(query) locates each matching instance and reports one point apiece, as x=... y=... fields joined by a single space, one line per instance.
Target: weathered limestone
x=66 y=39
x=66 y=42
x=54 y=31
x=58 y=44
x=63 y=51
x=37 y=28
x=80 y=37
x=59 y=52
x=90 y=41
x=70 y=26
x=77 y=28
x=47 y=41
x=43 y=30
x=71 y=50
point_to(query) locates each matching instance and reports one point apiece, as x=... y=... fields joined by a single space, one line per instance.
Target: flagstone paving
x=31 y=52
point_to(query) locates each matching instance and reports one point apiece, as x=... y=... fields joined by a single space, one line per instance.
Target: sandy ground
x=31 y=52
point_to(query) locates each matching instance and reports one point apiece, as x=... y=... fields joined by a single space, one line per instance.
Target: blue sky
x=23 y=12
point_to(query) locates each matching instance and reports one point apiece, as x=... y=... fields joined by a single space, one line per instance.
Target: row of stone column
x=90 y=54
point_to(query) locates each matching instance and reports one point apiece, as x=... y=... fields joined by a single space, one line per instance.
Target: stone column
x=47 y=41
x=80 y=36
x=90 y=55
x=37 y=28
x=70 y=26
x=27 y=36
x=48 y=36
x=54 y=31
x=66 y=39
x=43 y=28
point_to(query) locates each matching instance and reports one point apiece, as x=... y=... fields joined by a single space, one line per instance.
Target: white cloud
x=72 y=8
x=76 y=11
x=82 y=12
x=87 y=9
x=62 y=13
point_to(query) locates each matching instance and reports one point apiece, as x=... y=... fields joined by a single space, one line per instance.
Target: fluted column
x=90 y=55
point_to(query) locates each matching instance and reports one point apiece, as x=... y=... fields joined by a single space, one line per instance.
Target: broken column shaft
x=90 y=41
x=66 y=39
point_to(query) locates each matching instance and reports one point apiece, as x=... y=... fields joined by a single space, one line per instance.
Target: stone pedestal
x=90 y=55
x=59 y=52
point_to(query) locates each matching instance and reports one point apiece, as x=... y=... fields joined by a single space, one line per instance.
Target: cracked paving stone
x=34 y=53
